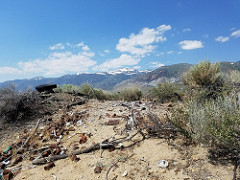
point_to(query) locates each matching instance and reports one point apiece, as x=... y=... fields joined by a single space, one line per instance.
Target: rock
x=83 y=139
x=98 y=169
x=112 y=122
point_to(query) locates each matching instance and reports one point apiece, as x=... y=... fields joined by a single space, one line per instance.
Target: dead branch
x=52 y=158
x=36 y=127
x=95 y=147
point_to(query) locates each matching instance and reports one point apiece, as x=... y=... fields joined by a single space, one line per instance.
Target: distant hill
x=118 y=79
x=171 y=73
x=104 y=81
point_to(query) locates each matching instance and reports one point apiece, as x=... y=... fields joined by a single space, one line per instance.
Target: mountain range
x=117 y=79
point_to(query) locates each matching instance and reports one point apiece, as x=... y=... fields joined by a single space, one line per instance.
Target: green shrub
x=128 y=94
x=214 y=122
x=67 y=88
x=165 y=92
x=203 y=81
x=202 y=75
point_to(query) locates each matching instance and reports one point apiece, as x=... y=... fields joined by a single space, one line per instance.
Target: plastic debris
x=125 y=173
x=162 y=164
x=6 y=150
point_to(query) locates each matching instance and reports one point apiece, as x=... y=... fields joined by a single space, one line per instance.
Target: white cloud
x=123 y=60
x=164 y=28
x=160 y=54
x=81 y=44
x=169 y=52
x=85 y=48
x=156 y=64
x=179 y=52
x=186 y=30
x=59 y=63
x=232 y=29
x=141 y=43
x=106 y=51
x=9 y=70
x=236 y=34
x=137 y=67
x=189 y=45
x=222 y=39
x=57 y=46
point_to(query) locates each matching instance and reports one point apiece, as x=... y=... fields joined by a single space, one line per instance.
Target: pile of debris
x=45 y=143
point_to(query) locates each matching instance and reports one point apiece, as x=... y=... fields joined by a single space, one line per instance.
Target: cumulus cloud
x=59 y=63
x=186 y=30
x=142 y=43
x=222 y=39
x=123 y=60
x=9 y=70
x=169 y=52
x=80 y=44
x=137 y=67
x=57 y=46
x=236 y=34
x=84 y=47
x=189 y=44
x=106 y=51
x=156 y=64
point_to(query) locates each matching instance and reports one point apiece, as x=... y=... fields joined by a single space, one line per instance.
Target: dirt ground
x=139 y=161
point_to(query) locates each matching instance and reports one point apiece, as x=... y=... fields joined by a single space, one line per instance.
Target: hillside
x=171 y=73
x=118 y=79
x=105 y=81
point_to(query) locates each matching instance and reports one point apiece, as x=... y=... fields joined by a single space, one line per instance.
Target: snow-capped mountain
x=126 y=71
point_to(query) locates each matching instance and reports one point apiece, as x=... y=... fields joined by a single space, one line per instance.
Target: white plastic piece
x=125 y=173
x=68 y=124
x=79 y=123
x=162 y=164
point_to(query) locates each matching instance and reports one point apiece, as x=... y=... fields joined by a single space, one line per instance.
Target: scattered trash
x=112 y=122
x=125 y=173
x=6 y=150
x=83 y=139
x=98 y=169
x=79 y=123
x=49 y=166
x=162 y=164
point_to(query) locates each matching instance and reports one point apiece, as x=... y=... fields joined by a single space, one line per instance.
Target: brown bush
x=16 y=105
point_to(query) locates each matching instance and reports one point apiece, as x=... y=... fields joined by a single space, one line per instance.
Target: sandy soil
x=137 y=162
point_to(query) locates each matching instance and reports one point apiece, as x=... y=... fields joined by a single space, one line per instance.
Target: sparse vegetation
x=211 y=114
x=129 y=94
x=16 y=105
x=165 y=92
x=203 y=81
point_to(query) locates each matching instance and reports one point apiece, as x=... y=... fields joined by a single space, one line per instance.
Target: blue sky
x=57 y=37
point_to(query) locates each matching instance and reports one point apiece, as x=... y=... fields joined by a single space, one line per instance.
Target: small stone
x=83 y=139
x=98 y=169
x=150 y=171
x=163 y=171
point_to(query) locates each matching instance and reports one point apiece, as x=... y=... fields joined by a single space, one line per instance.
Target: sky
x=58 y=37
